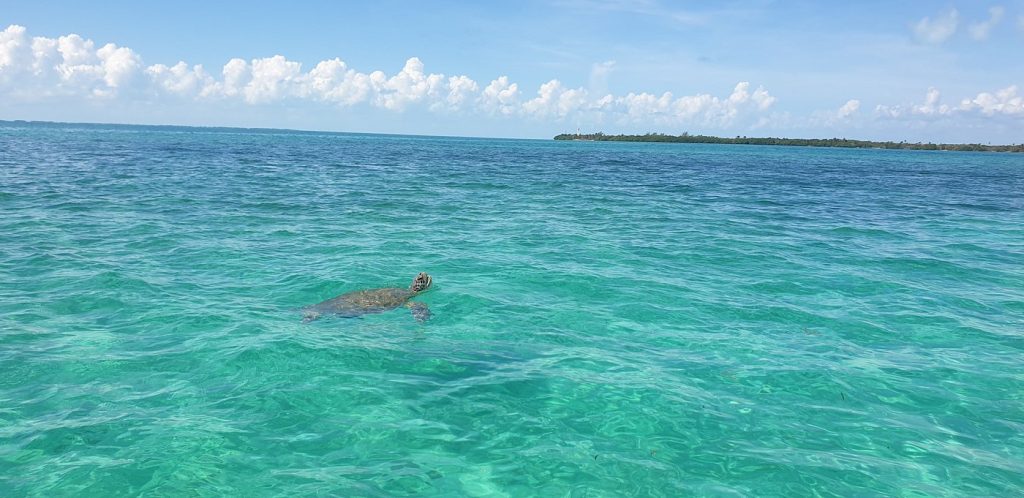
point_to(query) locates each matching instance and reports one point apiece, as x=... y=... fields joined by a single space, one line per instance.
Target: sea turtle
x=356 y=303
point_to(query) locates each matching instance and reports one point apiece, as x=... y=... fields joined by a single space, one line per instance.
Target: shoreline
x=843 y=143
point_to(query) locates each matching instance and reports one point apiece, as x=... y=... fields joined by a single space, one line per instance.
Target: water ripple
x=608 y=319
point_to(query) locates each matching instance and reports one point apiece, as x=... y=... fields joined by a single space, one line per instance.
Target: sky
x=948 y=71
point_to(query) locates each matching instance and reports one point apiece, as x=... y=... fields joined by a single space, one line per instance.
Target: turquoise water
x=608 y=319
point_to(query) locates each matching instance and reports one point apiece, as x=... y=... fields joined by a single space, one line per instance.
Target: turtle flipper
x=309 y=315
x=420 y=311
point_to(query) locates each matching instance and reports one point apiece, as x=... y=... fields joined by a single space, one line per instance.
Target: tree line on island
x=686 y=138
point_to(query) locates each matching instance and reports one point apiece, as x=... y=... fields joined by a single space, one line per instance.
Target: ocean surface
x=609 y=319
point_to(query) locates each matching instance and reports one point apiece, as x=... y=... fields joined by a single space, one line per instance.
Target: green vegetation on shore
x=686 y=138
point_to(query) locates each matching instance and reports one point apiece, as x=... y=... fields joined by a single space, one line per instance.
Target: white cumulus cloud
x=410 y=85
x=932 y=107
x=981 y=30
x=460 y=89
x=33 y=69
x=1004 y=102
x=12 y=41
x=42 y=70
x=271 y=78
x=553 y=99
x=848 y=109
x=844 y=115
x=702 y=109
x=180 y=79
x=939 y=29
x=500 y=96
x=68 y=65
x=333 y=81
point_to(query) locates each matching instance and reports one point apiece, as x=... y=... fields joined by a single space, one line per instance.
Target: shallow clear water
x=608 y=319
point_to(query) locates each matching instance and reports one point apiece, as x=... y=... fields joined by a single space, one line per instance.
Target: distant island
x=686 y=138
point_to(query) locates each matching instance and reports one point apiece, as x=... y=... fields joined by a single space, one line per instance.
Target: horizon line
x=253 y=128
x=422 y=135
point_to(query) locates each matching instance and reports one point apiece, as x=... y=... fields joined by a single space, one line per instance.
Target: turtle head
x=421 y=282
